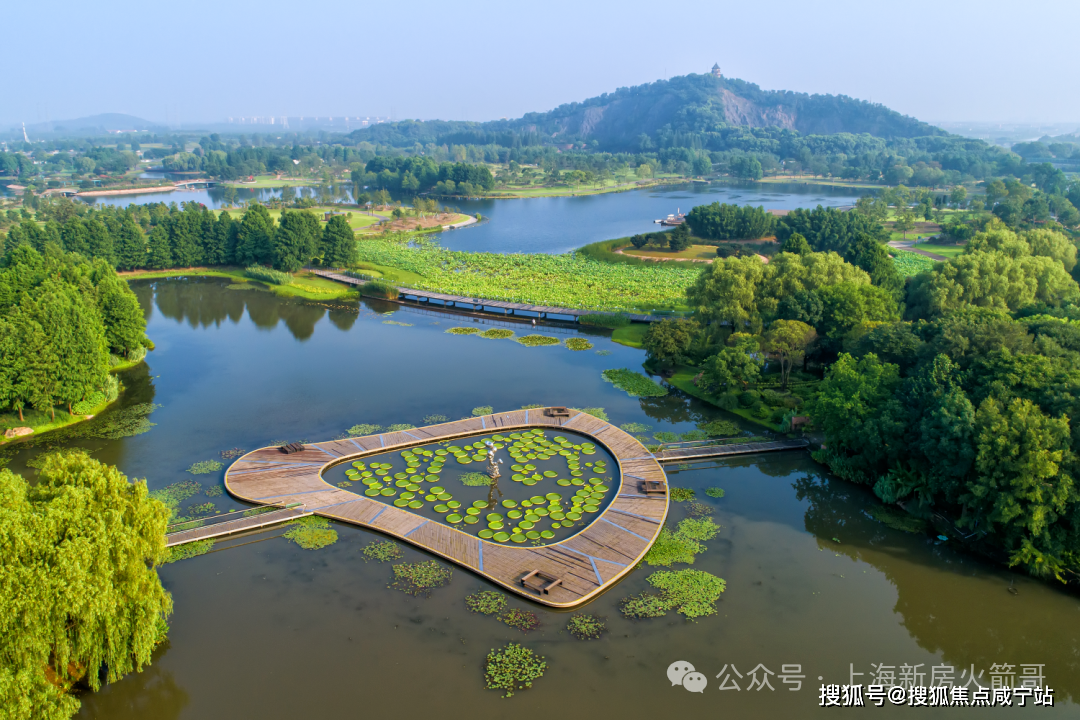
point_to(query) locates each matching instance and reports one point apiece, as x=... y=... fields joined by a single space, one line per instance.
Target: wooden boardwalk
x=481 y=305
x=712 y=451
x=589 y=562
x=231 y=527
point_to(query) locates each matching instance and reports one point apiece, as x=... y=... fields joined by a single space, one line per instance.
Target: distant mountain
x=93 y=125
x=640 y=117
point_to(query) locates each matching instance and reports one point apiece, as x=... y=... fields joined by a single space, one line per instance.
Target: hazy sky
x=938 y=60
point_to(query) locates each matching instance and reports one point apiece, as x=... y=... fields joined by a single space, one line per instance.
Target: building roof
x=716 y=66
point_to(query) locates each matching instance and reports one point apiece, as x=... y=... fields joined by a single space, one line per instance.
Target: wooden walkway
x=711 y=451
x=589 y=562
x=231 y=527
x=480 y=305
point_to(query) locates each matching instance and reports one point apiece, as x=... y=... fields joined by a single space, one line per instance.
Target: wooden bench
x=291 y=448
x=654 y=487
x=540 y=581
x=557 y=412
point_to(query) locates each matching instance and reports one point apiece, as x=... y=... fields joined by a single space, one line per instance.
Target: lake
x=263 y=628
x=560 y=224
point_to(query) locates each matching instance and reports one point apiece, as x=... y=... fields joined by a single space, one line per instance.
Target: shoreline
x=128 y=191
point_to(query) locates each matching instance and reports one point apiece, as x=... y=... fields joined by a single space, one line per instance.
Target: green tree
x=81 y=599
x=789 y=340
x=846 y=305
x=125 y=324
x=338 y=243
x=679 y=238
x=905 y=221
x=958 y=196
x=730 y=367
x=296 y=240
x=255 y=237
x=796 y=244
x=667 y=341
x=131 y=250
x=159 y=250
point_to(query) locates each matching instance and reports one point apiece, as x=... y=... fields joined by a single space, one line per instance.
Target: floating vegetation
x=595 y=412
x=665 y=436
x=205 y=467
x=463 y=330
x=577 y=344
x=420 y=578
x=231 y=453
x=482 y=410
x=399 y=427
x=700 y=529
x=636 y=427
x=187 y=550
x=683 y=466
x=534 y=406
x=692 y=593
x=203 y=509
x=586 y=627
x=113 y=425
x=312 y=533
x=897 y=518
x=693 y=435
x=671 y=548
x=513 y=668
x=364 y=429
x=214 y=490
x=698 y=510
x=603 y=353
x=475 y=479
x=173 y=495
x=633 y=383
x=435 y=419
x=537 y=340
x=395 y=322
x=719 y=428
x=382 y=551
x=715 y=492
x=344 y=484
x=523 y=620
x=497 y=334
x=486 y=602
x=681 y=494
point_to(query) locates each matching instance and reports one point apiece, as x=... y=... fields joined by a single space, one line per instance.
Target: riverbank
x=127 y=191
x=525 y=192
x=304 y=284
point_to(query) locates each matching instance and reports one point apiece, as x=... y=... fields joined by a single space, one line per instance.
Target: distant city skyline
x=964 y=61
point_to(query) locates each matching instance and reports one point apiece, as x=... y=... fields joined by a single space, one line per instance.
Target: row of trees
x=63 y=323
x=953 y=393
x=166 y=236
x=718 y=221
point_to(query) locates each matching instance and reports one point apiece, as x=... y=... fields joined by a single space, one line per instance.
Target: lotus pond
x=552 y=484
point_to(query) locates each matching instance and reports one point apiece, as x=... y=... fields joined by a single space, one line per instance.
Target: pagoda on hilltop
x=716 y=70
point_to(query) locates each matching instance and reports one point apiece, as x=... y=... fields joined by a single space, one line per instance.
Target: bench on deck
x=557 y=412
x=291 y=448
x=540 y=581
x=654 y=487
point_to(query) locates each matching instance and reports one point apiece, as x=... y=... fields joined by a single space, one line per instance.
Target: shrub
x=513 y=668
x=773 y=398
x=728 y=401
x=762 y=410
x=748 y=398
x=379 y=289
x=605 y=320
x=99 y=397
x=268 y=275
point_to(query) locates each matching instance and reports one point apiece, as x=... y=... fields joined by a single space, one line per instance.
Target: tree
x=131 y=251
x=789 y=340
x=81 y=597
x=125 y=325
x=338 y=243
x=958 y=196
x=667 y=341
x=295 y=240
x=254 y=241
x=845 y=305
x=795 y=243
x=731 y=366
x=905 y=221
x=679 y=239
x=639 y=241
x=159 y=251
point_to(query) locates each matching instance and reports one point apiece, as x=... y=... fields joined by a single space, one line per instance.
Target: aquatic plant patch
x=537 y=340
x=186 y=551
x=700 y=529
x=497 y=334
x=311 y=533
x=691 y=593
x=671 y=548
x=205 y=467
x=586 y=627
x=715 y=492
x=435 y=419
x=482 y=410
x=693 y=435
x=475 y=479
x=486 y=602
x=604 y=353
x=232 y=453
x=174 y=494
x=578 y=344
x=719 y=428
x=398 y=427
x=214 y=490
x=364 y=429
x=382 y=551
x=596 y=412
x=633 y=383
x=523 y=620
x=463 y=330
x=696 y=509
x=635 y=427
x=666 y=436
x=512 y=668
x=681 y=494
x=420 y=578
x=395 y=322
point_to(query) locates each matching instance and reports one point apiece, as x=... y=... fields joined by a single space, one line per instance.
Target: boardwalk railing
x=246 y=512
x=244 y=522
x=722 y=450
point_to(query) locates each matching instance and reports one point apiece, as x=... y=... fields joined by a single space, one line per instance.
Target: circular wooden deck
x=588 y=562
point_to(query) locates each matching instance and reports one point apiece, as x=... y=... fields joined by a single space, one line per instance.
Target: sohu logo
x=682 y=673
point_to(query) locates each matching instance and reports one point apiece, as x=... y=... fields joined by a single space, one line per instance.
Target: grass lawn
x=684 y=380
x=304 y=284
x=623 y=182
x=949 y=251
x=392 y=274
x=272 y=181
x=41 y=422
x=358 y=219
x=630 y=335
x=694 y=252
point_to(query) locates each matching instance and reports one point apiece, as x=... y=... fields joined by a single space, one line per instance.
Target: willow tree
x=79 y=594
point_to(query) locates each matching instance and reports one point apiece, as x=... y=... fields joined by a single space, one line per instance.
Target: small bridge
x=701 y=449
x=194 y=184
x=501 y=307
x=241 y=521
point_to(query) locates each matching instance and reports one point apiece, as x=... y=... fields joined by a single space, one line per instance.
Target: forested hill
x=690 y=110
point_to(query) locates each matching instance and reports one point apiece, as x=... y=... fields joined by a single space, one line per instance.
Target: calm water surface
x=556 y=225
x=265 y=629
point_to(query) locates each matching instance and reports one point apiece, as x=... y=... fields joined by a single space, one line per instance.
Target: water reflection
x=152 y=693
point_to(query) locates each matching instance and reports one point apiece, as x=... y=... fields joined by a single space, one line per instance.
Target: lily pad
x=486 y=534
x=501 y=537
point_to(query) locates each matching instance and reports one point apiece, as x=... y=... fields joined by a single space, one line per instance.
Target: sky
x=197 y=61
